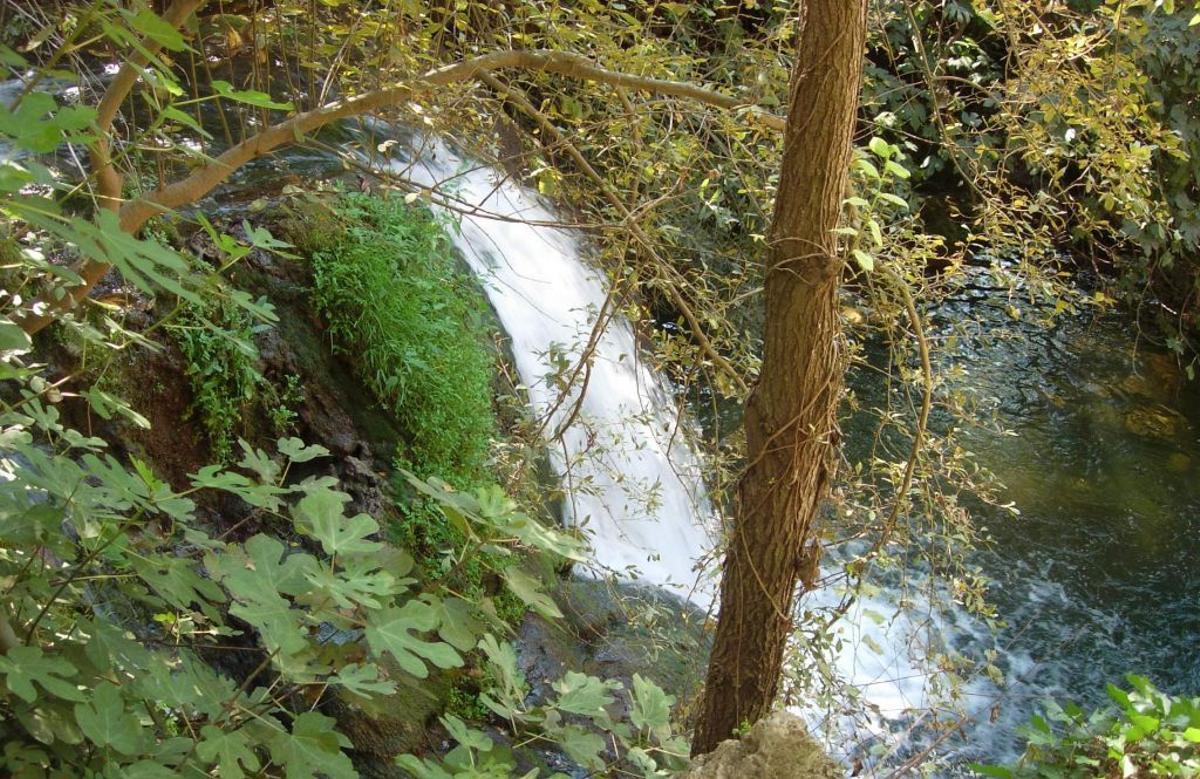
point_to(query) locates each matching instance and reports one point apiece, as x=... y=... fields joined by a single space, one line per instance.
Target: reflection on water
x=1099 y=574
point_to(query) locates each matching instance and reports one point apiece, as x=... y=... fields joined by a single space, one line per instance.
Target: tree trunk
x=791 y=415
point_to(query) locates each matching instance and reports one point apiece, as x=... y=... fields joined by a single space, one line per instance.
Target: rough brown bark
x=791 y=415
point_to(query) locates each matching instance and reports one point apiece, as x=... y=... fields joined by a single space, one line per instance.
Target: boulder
x=777 y=747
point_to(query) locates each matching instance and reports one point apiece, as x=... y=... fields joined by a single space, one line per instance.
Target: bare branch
x=135 y=213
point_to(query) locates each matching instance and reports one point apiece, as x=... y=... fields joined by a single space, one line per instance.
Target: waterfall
x=627 y=438
x=632 y=481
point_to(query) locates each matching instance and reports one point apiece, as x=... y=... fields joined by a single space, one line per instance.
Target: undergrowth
x=398 y=305
x=217 y=342
x=1146 y=732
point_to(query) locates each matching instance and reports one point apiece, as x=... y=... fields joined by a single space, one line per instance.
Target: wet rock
x=778 y=747
x=383 y=727
x=614 y=631
x=1153 y=422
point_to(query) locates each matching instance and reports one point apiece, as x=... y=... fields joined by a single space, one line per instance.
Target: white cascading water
x=632 y=480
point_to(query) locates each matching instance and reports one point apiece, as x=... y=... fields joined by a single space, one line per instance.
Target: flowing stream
x=1097 y=577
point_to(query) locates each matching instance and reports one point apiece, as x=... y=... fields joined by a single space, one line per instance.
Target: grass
x=401 y=309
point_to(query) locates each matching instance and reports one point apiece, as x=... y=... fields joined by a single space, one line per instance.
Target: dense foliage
x=401 y=306
x=1145 y=733
x=128 y=615
x=402 y=310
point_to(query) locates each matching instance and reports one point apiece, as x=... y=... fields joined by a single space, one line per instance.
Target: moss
x=778 y=746
x=312 y=226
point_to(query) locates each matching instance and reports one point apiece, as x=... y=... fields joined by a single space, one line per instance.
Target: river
x=1099 y=575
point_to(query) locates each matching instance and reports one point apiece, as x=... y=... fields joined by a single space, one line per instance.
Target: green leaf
x=295 y=450
x=363 y=680
x=13 y=340
x=529 y=590
x=392 y=632
x=422 y=769
x=897 y=170
x=259 y=462
x=867 y=167
x=582 y=694
x=145 y=263
x=320 y=514
x=187 y=120
x=582 y=746
x=313 y=747
x=278 y=625
x=651 y=707
x=512 y=688
x=263 y=566
x=176 y=581
x=1144 y=723
x=468 y=737
x=457 y=625
x=895 y=200
x=156 y=29
x=106 y=723
x=880 y=148
x=360 y=583
x=232 y=751
x=249 y=96
x=876 y=233
x=864 y=260
x=24 y=665
x=259 y=495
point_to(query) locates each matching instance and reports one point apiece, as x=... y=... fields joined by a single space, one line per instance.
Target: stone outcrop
x=777 y=747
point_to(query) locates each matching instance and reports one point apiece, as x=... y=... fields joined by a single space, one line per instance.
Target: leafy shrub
x=216 y=339
x=1146 y=733
x=399 y=306
x=101 y=654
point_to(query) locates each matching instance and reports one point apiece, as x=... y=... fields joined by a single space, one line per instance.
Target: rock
x=383 y=727
x=777 y=747
x=614 y=631
x=1153 y=422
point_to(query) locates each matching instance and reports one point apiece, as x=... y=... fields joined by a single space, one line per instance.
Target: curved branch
x=108 y=181
x=135 y=213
